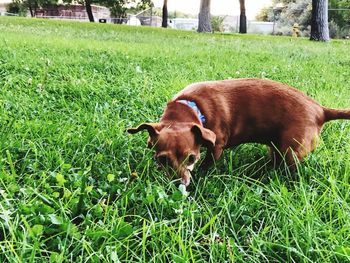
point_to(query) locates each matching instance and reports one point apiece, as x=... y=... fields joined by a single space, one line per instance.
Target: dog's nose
x=186 y=178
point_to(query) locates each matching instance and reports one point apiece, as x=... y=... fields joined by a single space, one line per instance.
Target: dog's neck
x=194 y=107
x=179 y=112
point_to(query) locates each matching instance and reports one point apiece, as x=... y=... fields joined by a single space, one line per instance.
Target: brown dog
x=222 y=114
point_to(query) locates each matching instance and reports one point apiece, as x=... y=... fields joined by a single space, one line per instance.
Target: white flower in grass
x=178 y=211
x=238 y=73
x=274 y=69
x=182 y=189
x=122 y=180
x=138 y=69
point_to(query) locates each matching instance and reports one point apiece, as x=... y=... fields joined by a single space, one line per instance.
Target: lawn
x=74 y=186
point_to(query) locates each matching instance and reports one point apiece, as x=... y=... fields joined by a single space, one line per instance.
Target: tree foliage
x=17 y=8
x=32 y=5
x=340 y=17
x=117 y=7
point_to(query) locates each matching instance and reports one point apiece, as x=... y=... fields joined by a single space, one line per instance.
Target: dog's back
x=252 y=105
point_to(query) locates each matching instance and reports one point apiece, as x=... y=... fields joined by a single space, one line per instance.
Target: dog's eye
x=191 y=159
x=163 y=160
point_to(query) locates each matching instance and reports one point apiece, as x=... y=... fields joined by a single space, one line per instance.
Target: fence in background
x=7 y=14
x=231 y=24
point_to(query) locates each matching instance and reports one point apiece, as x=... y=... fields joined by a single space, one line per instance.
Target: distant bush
x=335 y=31
x=217 y=23
x=17 y=8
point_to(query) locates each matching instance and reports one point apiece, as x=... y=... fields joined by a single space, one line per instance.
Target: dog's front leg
x=213 y=154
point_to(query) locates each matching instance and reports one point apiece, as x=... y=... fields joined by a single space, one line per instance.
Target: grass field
x=75 y=187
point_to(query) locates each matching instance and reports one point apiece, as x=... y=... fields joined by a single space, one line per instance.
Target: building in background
x=73 y=11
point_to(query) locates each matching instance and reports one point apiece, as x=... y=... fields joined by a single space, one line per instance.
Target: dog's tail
x=334 y=114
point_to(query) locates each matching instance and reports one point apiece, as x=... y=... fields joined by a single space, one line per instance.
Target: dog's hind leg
x=296 y=144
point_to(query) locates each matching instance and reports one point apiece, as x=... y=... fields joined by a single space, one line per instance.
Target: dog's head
x=177 y=145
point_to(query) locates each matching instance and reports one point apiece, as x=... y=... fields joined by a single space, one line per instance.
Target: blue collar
x=194 y=106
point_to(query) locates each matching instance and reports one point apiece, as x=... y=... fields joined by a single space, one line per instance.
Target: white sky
x=218 y=7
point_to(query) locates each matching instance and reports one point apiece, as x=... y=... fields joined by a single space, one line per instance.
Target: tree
x=32 y=5
x=242 y=18
x=88 y=8
x=117 y=9
x=165 y=14
x=204 y=16
x=319 y=21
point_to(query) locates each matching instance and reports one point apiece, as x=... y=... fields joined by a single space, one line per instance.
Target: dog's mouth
x=182 y=170
x=184 y=173
x=186 y=177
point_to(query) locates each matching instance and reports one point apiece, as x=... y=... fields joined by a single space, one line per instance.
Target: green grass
x=75 y=187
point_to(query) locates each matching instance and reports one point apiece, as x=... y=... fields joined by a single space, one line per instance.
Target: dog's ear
x=152 y=128
x=206 y=136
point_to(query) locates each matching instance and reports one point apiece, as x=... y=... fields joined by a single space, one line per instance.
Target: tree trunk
x=242 y=18
x=31 y=10
x=165 y=14
x=319 y=21
x=204 y=24
x=30 y=5
x=89 y=10
x=35 y=7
